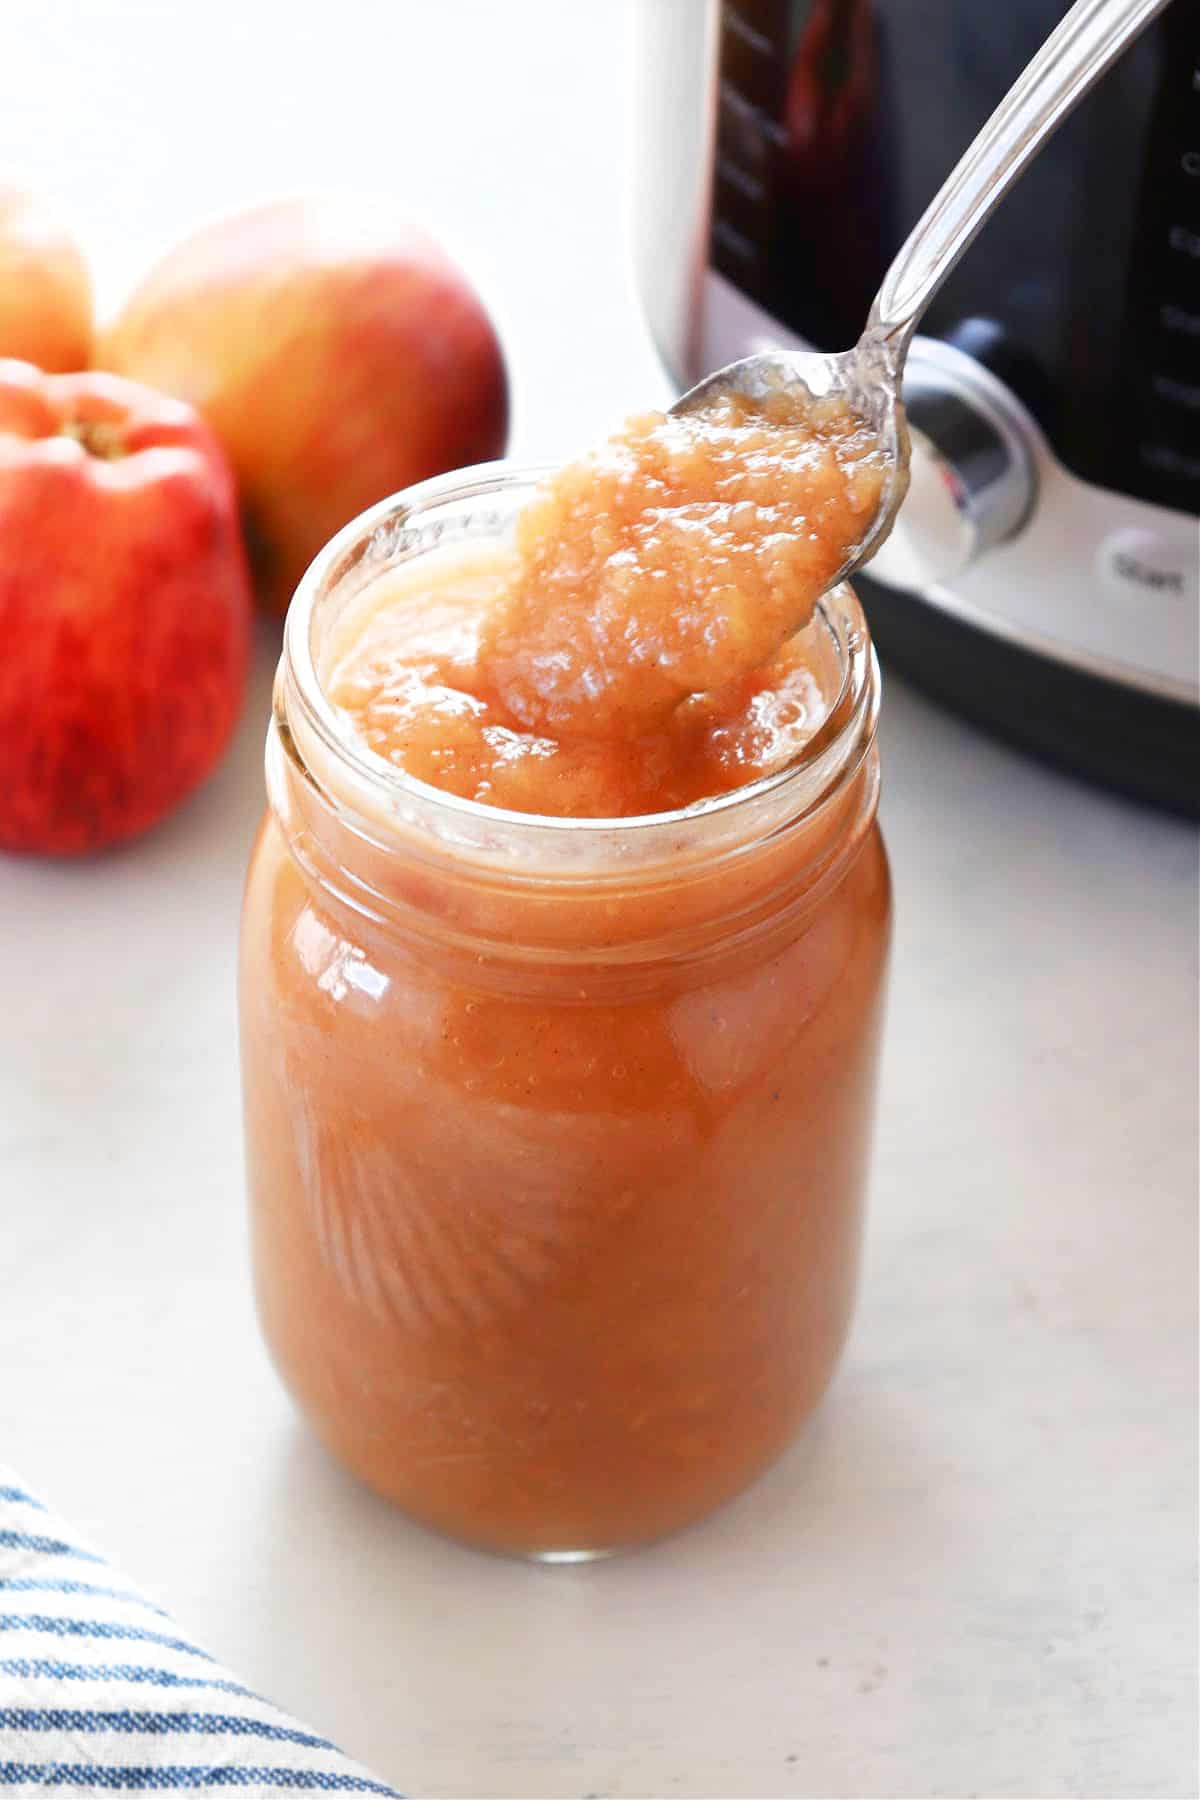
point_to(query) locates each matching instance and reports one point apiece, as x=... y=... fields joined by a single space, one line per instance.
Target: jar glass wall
x=556 y=1129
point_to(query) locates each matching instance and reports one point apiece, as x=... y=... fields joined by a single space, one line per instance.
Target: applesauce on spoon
x=633 y=650
x=678 y=558
x=558 y=1115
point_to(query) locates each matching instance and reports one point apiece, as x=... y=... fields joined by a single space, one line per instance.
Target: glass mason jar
x=556 y=1129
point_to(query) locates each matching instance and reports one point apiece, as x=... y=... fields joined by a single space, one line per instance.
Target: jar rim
x=371 y=543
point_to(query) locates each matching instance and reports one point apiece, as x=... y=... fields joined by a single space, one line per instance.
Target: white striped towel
x=100 y=1693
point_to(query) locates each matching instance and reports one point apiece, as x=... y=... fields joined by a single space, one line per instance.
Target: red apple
x=338 y=354
x=125 y=608
x=45 y=289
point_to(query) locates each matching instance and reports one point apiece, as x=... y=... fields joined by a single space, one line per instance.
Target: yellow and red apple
x=338 y=354
x=45 y=288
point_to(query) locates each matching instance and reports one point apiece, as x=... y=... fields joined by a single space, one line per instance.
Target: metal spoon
x=1079 y=50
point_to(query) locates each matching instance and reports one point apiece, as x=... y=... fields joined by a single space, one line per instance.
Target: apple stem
x=97 y=436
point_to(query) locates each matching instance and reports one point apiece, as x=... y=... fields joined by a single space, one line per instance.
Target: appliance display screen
x=837 y=120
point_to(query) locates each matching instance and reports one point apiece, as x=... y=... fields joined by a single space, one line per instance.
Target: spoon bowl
x=863 y=380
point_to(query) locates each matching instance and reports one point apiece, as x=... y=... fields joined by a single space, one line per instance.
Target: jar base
x=556 y=1557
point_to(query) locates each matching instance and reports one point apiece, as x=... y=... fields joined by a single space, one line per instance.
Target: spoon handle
x=1077 y=52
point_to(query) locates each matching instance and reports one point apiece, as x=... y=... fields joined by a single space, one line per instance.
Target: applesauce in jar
x=560 y=1002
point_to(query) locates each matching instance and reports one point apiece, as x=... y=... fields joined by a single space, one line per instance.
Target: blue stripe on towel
x=181 y=1776
x=77 y=1718
x=44 y=1546
x=16 y=1584
x=96 y=1628
x=33 y=1668
x=155 y=1724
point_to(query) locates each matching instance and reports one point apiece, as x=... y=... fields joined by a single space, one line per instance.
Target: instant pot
x=1044 y=574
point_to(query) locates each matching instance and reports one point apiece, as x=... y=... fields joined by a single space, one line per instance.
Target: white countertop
x=975 y=1575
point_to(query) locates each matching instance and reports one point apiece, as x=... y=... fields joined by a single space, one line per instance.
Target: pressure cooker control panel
x=837 y=120
x=1165 y=402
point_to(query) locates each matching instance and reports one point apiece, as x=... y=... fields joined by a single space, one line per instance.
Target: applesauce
x=558 y=1101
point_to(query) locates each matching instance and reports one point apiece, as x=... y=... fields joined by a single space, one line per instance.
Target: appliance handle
x=1077 y=52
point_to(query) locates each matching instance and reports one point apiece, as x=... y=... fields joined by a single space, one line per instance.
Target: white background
x=976 y=1573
